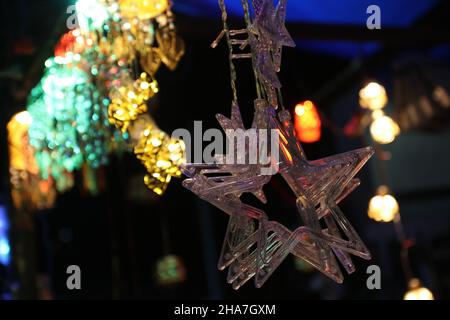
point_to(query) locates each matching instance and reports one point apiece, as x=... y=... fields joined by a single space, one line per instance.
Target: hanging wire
x=226 y=32
x=405 y=243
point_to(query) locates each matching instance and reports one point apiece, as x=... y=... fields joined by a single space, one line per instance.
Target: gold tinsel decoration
x=128 y=102
x=148 y=34
x=161 y=155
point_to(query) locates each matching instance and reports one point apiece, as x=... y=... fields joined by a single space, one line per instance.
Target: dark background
x=118 y=236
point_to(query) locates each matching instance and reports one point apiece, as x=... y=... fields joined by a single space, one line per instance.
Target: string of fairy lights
x=383 y=207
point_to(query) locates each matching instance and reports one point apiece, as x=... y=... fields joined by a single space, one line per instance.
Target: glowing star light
x=255 y=246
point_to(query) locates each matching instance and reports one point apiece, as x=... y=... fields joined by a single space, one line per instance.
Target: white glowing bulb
x=24 y=118
x=417 y=292
x=156 y=142
x=91 y=12
x=384 y=129
x=172 y=147
x=383 y=207
x=163 y=164
x=373 y=96
x=131 y=95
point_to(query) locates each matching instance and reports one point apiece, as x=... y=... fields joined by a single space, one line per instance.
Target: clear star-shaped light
x=254 y=246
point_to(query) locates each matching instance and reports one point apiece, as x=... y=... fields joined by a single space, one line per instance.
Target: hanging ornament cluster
x=133 y=40
x=28 y=190
x=255 y=246
x=129 y=101
x=102 y=73
x=70 y=125
x=161 y=155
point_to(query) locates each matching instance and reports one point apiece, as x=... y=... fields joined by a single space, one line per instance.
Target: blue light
x=348 y=12
x=4 y=225
x=4 y=251
x=4 y=243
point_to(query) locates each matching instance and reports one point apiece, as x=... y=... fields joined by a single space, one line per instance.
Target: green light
x=91 y=14
x=170 y=270
x=70 y=126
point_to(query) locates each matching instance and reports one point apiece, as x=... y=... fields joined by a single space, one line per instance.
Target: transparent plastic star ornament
x=255 y=246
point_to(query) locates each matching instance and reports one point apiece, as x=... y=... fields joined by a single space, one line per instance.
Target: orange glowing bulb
x=307 y=122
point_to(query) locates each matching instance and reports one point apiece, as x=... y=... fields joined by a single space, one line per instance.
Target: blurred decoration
x=131 y=44
x=129 y=101
x=24 y=47
x=91 y=14
x=170 y=271
x=70 y=125
x=383 y=207
x=89 y=83
x=5 y=256
x=373 y=99
x=28 y=190
x=357 y=124
x=383 y=129
x=143 y=9
x=71 y=43
x=417 y=292
x=303 y=266
x=12 y=72
x=373 y=96
x=162 y=156
x=422 y=94
x=307 y=122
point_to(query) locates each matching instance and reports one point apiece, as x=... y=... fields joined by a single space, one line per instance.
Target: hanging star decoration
x=255 y=246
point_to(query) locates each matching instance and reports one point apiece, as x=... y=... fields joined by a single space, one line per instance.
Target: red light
x=307 y=122
x=71 y=41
